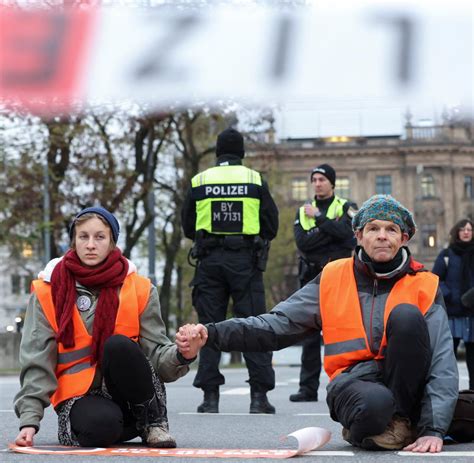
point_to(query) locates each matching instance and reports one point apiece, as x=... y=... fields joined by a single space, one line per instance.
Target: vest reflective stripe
x=227 y=184
x=344 y=346
x=345 y=339
x=335 y=211
x=74 y=371
x=74 y=355
x=77 y=368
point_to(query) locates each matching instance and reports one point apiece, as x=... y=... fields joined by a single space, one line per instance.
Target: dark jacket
x=299 y=316
x=268 y=208
x=329 y=240
x=450 y=281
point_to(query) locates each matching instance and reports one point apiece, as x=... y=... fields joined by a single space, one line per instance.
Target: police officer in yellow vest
x=323 y=233
x=388 y=350
x=230 y=215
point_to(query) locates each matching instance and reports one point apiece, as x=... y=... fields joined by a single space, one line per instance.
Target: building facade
x=429 y=169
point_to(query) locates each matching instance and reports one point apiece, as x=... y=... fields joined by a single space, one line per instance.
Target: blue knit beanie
x=104 y=213
x=384 y=207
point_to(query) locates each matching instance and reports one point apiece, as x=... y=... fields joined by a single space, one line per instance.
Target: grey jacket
x=38 y=354
x=299 y=316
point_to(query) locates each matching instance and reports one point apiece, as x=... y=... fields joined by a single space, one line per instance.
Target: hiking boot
x=302 y=396
x=259 y=403
x=346 y=435
x=397 y=435
x=210 y=404
x=158 y=437
x=152 y=424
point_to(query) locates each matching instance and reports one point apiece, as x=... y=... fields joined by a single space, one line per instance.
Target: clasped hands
x=190 y=338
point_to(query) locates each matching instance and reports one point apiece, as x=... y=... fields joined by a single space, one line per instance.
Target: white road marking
x=9 y=380
x=237 y=391
x=441 y=454
x=226 y=414
x=7 y=411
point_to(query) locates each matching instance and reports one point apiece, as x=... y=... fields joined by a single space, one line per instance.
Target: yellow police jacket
x=228 y=200
x=335 y=211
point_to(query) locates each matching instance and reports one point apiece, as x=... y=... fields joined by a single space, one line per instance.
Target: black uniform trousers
x=220 y=275
x=365 y=406
x=311 y=363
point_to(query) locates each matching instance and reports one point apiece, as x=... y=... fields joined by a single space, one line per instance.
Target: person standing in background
x=323 y=233
x=455 y=268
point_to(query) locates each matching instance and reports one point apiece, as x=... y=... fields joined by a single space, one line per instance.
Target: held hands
x=310 y=210
x=25 y=437
x=426 y=444
x=190 y=338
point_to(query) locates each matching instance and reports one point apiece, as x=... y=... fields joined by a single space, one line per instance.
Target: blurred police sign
x=333 y=50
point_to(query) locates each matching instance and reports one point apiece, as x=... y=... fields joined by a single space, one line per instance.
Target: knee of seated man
x=405 y=319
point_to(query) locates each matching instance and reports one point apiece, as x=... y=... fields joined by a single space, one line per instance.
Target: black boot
x=259 y=403
x=303 y=396
x=150 y=424
x=210 y=404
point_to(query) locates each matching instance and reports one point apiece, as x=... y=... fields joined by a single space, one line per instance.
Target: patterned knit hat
x=384 y=207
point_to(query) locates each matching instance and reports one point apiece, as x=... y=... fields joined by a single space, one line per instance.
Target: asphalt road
x=232 y=428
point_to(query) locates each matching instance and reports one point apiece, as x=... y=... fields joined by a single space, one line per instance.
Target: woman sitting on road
x=92 y=342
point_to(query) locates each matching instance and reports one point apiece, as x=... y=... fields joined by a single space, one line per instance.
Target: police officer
x=230 y=215
x=323 y=232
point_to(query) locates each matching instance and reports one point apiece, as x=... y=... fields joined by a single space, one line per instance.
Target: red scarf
x=107 y=276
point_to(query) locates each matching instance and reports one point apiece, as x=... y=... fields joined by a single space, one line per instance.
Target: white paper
x=311 y=438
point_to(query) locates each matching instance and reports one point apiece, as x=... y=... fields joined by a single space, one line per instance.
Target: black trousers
x=98 y=421
x=310 y=365
x=221 y=275
x=311 y=352
x=365 y=407
x=469 y=358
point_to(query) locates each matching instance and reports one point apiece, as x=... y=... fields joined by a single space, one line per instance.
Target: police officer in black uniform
x=230 y=215
x=323 y=232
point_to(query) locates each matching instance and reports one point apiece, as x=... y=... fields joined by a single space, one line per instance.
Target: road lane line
x=226 y=414
x=440 y=454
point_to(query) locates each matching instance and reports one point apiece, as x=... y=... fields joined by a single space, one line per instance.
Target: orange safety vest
x=74 y=371
x=345 y=339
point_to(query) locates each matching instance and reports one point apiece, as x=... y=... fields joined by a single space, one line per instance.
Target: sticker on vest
x=227 y=216
x=84 y=303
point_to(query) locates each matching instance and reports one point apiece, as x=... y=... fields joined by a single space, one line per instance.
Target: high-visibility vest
x=228 y=200
x=74 y=371
x=335 y=211
x=345 y=339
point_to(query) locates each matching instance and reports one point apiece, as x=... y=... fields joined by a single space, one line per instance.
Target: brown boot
x=397 y=435
x=346 y=435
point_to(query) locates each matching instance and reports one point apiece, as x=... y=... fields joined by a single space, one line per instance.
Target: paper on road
x=311 y=438
x=308 y=439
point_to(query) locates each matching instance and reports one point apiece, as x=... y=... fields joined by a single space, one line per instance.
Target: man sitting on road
x=388 y=349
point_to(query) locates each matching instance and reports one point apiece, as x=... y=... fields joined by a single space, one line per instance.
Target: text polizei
x=226 y=190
